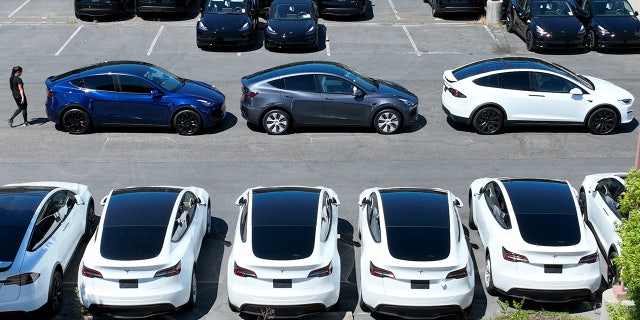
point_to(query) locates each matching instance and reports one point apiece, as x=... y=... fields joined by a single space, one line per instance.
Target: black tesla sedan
x=100 y=8
x=610 y=24
x=292 y=23
x=227 y=22
x=323 y=93
x=546 y=24
x=357 y=8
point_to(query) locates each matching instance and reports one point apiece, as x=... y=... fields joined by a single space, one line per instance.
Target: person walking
x=17 y=89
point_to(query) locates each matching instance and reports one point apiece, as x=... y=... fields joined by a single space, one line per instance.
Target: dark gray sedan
x=322 y=93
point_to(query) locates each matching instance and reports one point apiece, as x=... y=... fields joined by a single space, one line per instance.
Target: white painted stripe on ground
x=413 y=44
x=326 y=43
x=18 y=9
x=68 y=40
x=153 y=44
x=491 y=34
x=395 y=12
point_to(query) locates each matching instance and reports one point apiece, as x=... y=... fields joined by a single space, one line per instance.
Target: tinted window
x=552 y=9
x=278 y=83
x=100 y=82
x=17 y=207
x=53 y=213
x=517 y=80
x=610 y=190
x=373 y=218
x=284 y=223
x=545 y=211
x=331 y=84
x=304 y=82
x=488 y=81
x=414 y=218
x=184 y=216
x=136 y=223
x=552 y=83
x=134 y=85
x=226 y=7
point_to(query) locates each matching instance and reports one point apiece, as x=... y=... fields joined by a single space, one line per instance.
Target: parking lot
x=399 y=41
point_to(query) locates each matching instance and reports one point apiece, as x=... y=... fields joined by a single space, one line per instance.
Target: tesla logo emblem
x=420 y=271
x=282 y=271
x=127 y=271
x=554 y=256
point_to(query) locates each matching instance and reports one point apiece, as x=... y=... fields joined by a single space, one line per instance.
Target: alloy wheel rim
x=57 y=295
x=194 y=288
x=276 y=122
x=603 y=121
x=76 y=121
x=388 y=122
x=489 y=121
x=487 y=274
x=187 y=123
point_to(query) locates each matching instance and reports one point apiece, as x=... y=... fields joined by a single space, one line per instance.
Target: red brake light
x=379 y=272
x=169 y=272
x=243 y=272
x=513 y=257
x=458 y=274
x=22 y=279
x=90 y=273
x=456 y=93
x=250 y=94
x=592 y=258
x=321 y=272
x=50 y=94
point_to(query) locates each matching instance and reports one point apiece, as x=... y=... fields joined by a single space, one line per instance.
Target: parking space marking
x=326 y=44
x=413 y=44
x=18 y=9
x=395 y=12
x=68 y=40
x=491 y=34
x=153 y=44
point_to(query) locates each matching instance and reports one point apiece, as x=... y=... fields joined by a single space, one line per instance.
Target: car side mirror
x=457 y=202
x=575 y=91
x=155 y=93
x=358 y=93
x=78 y=200
x=104 y=200
x=179 y=222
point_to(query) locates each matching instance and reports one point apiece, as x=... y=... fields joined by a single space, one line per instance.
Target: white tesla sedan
x=142 y=259
x=41 y=225
x=492 y=93
x=599 y=206
x=414 y=256
x=285 y=255
x=536 y=245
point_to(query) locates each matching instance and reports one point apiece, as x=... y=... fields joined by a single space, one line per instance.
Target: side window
x=186 y=210
x=516 y=80
x=130 y=84
x=243 y=222
x=278 y=83
x=331 y=84
x=373 y=218
x=610 y=191
x=326 y=217
x=305 y=82
x=488 y=81
x=99 y=82
x=551 y=83
x=497 y=204
x=52 y=215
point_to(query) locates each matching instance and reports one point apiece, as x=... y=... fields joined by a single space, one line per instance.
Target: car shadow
x=532 y=128
x=368 y=15
x=479 y=303
x=192 y=12
x=348 y=281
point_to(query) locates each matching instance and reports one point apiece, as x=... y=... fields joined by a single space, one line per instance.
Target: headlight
x=311 y=30
x=626 y=101
x=206 y=103
x=541 y=32
x=245 y=26
x=581 y=31
x=408 y=102
x=270 y=30
x=603 y=31
x=202 y=27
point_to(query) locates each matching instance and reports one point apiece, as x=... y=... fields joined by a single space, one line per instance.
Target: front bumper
x=278 y=41
x=558 y=42
x=223 y=39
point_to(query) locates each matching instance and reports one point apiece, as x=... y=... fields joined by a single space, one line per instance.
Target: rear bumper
x=132 y=311
x=550 y=295
x=284 y=311
x=455 y=118
x=418 y=312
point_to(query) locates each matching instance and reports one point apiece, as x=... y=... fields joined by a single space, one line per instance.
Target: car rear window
x=284 y=223
x=545 y=211
x=17 y=208
x=413 y=219
x=136 y=223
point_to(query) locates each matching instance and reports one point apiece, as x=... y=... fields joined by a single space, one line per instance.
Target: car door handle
x=536 y=95
x=65 y=226
x=329 y=99
x=289 y=97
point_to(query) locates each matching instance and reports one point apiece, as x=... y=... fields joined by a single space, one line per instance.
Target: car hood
x=224 y=22
x=568 y=26
x=392 y=88
x=609 y=89
x=291 y=27
x=622 y=25
x=198 y=89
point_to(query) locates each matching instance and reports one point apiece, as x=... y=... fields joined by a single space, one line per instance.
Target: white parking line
x=413 y=44
x=68 y=40
x=326 y=44
x=153 y=44
x=18 y=9
x=395 y=12
x=491 y=34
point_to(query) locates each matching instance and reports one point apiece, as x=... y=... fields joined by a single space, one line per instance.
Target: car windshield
x=17 y=207
x=298 y=11
x=361 y=80
x=612 y=8
x=226 y=7
x=413 y=218
x=551 y=9
x=164 y=78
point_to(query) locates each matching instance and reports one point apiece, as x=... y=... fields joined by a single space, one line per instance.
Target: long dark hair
x=13 y=74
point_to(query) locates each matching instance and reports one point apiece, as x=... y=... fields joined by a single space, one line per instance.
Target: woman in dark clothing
x=17 y=89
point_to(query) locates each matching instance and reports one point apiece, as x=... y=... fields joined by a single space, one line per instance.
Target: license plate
x=419 y=284
x=129 y=284
x=282 y=283
x=552 y=268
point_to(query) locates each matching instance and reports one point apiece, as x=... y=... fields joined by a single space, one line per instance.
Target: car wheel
x=509 y=21
x=90 y=224
x=529 y=40
x=76 y=121
x=187 y=122
x=582 y=203
x=54 y=302
x=193 y=292
x=472 y=225
x=488 y=120
x=387 y=121
x=276 y=122
x=590 y=43
x=435 y=12
x=602 y=121
x=612 y=270
x=207 y=233
x=488 y=278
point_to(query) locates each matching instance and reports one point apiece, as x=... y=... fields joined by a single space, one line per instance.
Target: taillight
x=379 y=272
x=322 y=272
x=592 y=258
x=22 y=279
x=513 y=257
x=250 y=94
x=50 y=94
x=243 y=272
x=169 y=272
x=90 y=273
x=456 y=93
x=458 y=274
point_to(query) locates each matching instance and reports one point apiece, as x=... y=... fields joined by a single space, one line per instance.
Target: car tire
x=528 y=39
x=582 y=203
x=488 y=120
x=54 y=301
x=187 y=122
x=363 y=306
x=276 y=122
x=90 y=224
x=207 y=233
x=193 y=291
x=509 y=22
x=387 y=121
x=232 y=307
x=602 y=121
x=612 y=269
x=435 y=11
x=472 y=225
x=591 y=40
x=76 y=121
x=488 y=277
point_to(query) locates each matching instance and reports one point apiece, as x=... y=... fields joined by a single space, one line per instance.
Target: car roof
x=291 y=206
x=505 y=63
x=18 y=205
x=123 y=66
x=297 y=67
x=141 y=206
x=415 y=207
x=291 y=1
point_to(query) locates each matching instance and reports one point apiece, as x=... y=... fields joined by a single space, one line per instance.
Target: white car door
x=492 y=214
x=558 y=104
x=514 y=95
x=604 y=217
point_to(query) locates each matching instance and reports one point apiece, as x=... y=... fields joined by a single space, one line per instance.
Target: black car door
x=521 y=15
